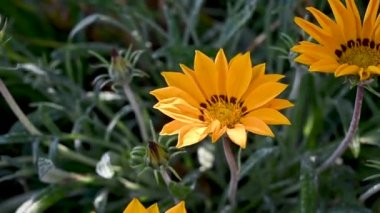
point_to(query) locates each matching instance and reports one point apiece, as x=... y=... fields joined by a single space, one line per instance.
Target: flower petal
x=344 y=20
x=324 y=65
x=216 y=130
x=172 y=127
x=317 y=33
x=374 y=70
x=263 y=94
x=278 y=104
x=206 y=74
x=306 y=59
x=134 y=206
x=369 y=18
x=191 y=134
x=346 y=69
x=351 y=6
x=269 y=116
x=183 y=82
x=222 y=68
x=238 y=135
x=169 y=92
x=256 y=126
x=153 y=209
x=179 y=208
x=178 y=109
x=327 y=24
x=314 y=50
x=364 y=74
x=239 y=76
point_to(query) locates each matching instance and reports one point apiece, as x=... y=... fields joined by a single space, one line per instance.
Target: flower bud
x=157 y=155
x=119 y=69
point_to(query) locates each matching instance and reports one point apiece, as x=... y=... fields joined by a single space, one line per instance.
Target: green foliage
x=91 y=150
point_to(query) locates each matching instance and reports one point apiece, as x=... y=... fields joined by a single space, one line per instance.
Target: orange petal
x=238 y=135
x=267 y=78
x=279 y=104
x=258 y=70
x=364 y=74
x=206 y=74
x=369 y=18
x=239 y=76
x=172 y=127
x=346 y=69
x=257 y=126
x=327 y=65
x=269 y=116
x=179 y=208
x=184 y=83
x=134 y=206
x=352 y=9
x=191 y=134
x=169 y=92
x=153 y=209
x=306 y=59
x=374 y=70
x=222 y=68
x=317 y=33
x=315 y=50
x=327 y=24
x=178 y=109
x=216 y=130
x=344 y=20
x=263 y=94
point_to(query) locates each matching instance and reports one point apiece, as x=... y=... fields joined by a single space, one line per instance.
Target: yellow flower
x=179 y=208
x=346 y=46
x=136 y=207
x=218 y=97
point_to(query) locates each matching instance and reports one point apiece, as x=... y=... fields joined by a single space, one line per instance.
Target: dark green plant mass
x=79 y=133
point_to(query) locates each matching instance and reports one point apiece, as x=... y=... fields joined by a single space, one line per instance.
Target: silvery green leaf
x=48 y=173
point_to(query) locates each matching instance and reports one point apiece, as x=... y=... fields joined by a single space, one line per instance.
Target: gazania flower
x=136 y=207
x=218 y=97
x=346 y=46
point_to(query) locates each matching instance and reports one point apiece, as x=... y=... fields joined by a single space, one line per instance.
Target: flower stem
x=234 y=171
x=136 y=109
x=17 y=111
x=167 y=180
x=351 y=130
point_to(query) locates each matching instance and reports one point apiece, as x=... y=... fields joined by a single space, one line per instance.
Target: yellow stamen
x=362 y=53
x=228 y=112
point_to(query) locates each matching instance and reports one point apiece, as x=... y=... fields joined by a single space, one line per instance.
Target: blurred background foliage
x=90 y=153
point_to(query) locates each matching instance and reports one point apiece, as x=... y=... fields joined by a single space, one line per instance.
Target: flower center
x=227 y=110
x=362 y=53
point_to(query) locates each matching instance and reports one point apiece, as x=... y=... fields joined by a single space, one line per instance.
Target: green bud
x=137 y=157
x=120 y=68
x=157 y=155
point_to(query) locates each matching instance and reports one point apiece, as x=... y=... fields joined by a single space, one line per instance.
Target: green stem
x=351 y=130
x=136 y=109
x=234 y=171
x=166 y=177
x=17 y=111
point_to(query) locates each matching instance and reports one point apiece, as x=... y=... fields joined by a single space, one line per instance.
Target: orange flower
x=218 y=98
x=136 y=207
x=346 y=46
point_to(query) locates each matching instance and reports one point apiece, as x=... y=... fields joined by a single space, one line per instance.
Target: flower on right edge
x=346 y=46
